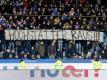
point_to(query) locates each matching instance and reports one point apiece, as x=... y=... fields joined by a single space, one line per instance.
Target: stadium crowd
x=52 y=14
x=69 y=15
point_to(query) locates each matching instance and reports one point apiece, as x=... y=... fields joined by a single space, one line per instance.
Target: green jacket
x=97 y=64
x=58 y=65
x=22 y=65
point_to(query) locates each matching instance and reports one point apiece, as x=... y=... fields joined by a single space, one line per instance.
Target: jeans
x=11 y=45
x=27 y=46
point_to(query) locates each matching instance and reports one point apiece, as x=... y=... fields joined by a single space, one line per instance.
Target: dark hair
x=96 y=58
x=21 y=60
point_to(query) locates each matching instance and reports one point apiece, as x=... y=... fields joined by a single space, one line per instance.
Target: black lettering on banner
x=21 y=34
x=30 y=36
x=98 y=36
x=95 y=36
x=54 y=34
x=14 y=37
x=46 y=34
x=11 y=36
x=34 y=36
x=25 y=34
x=58 y=34
x=73 y=33
x=89 y=36
x=53 y=31
x=40 y=36
x=64 y=33
x=80 y=35
x=17 y=33
x=84 y=33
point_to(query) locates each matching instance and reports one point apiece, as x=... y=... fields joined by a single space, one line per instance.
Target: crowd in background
x=68 y=15
x=52 y=49
x=52 y=14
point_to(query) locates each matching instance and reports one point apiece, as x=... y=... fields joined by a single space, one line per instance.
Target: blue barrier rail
x=49 y=61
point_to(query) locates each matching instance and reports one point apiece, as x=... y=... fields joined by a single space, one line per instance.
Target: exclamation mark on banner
x=96 y=73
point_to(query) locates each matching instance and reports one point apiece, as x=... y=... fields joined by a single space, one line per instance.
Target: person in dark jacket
x=41 y=49
x=52 y=50
x=72 y=49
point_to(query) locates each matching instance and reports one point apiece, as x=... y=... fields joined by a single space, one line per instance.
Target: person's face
x=51 y=6
x=33 y=56
x=88 y=42
x=97 y=23
x=18 y=28
x=45 y=5
x=51 y=17
x=16 y=56
x=97 y=19
x=74 y=18
x=72 y=9
x=46 y=17
x=13 y=51
x=93 y=10
x=105 y=47
x=101 y=23
x=10 y=56
x=32 y=48
x=60 y=23
x=40 y=4
x=10 y=17
x=35 y=13
x=43 y=9
x=77 y=10
x=91 y=5
x=44 y=22
x=84 y=22
x=39 y=17
x=79 y=18
x=41 y=42
x=25 y=55
x=84 y=19
x=39 y=9
x=99 y=13
x=71 y=22
x=8 y=50
x=48 y=22
x=60 y=9
x=76 y=22
x=80 y=5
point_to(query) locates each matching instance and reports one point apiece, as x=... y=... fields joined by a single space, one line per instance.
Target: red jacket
x=25 y=3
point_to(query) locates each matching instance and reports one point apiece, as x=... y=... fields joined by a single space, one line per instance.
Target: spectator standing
x=52 y=50
x=41 y=49
x=66 y=48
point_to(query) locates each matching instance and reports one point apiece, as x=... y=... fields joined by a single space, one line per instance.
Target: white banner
x=74 y=74
x=53 y=34
x=37 y=71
